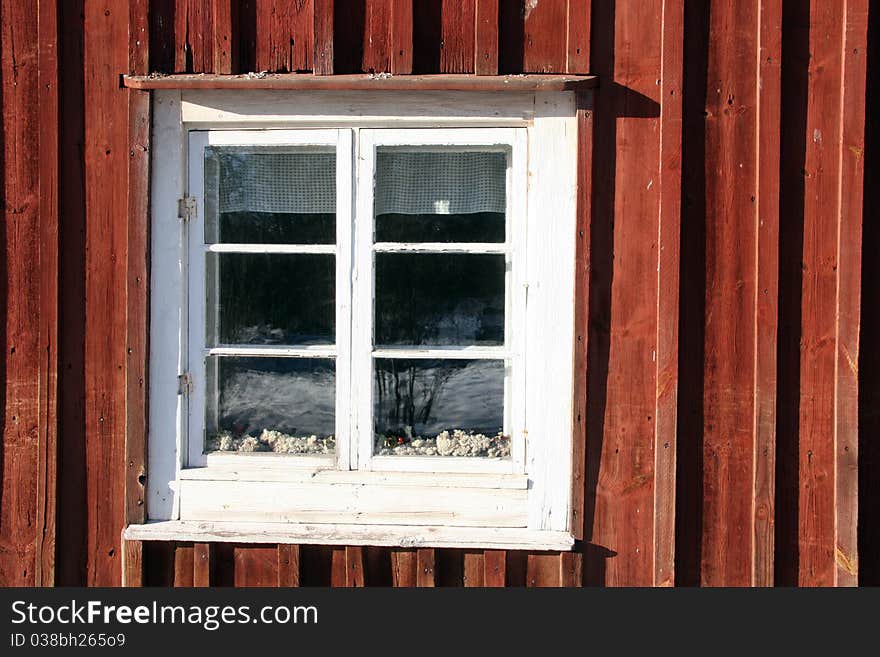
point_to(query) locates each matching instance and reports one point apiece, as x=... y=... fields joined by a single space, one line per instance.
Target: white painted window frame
x=527 y=496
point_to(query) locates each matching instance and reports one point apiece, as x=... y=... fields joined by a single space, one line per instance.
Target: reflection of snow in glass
x=277 y=394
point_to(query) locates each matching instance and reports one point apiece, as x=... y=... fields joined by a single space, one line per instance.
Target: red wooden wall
x=732 y=421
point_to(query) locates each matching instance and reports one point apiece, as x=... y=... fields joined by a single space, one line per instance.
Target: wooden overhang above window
x=364 y=82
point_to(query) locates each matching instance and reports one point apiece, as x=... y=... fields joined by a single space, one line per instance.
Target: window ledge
x=334 y=534
x=363 y=82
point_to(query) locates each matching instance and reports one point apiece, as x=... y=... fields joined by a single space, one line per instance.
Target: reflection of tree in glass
x=433 y=395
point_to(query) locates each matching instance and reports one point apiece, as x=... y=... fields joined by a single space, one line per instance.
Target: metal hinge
x=184 y=384
x=186 y=208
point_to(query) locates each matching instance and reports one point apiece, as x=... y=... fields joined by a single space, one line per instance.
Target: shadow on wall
x=73 y=510
x=869 y=355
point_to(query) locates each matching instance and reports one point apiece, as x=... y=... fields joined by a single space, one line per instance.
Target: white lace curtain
x=407 y=182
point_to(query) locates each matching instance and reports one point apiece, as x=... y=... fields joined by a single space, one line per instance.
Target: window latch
x=184 y=384
x=186 y=208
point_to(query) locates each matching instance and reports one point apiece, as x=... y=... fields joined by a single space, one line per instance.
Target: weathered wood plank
x=354 y=566
x=830 y=296
x=731 y=297
x=225 y=55
x=47 y=466
x=137 y=271
x=494 y=568
x=323 y=37
x=457 y=40
x=288 y=565
x=20 y=455
x=256 y=566
x=401 y=37
x=571 y=569
x=425 y=558
x=578 y=60
x=473 y=574
x=543 y=569
x=378 y=25
x=581 y=314
x=486 y=49
x=544 y=51
x=624 y=322
x=202 y=564
x=767 y=304
x=284 y=38
x=133 y=563
x=403 y=567
x=184 y=569
x=338 y=567
x=668 y=266
x=106 y=152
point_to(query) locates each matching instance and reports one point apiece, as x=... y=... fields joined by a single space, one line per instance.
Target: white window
x=362 y=325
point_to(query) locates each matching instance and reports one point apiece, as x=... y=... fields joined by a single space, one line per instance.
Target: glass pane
x=282 y=405
x=270 y=195
x=259 y=298
x=439 y=299
x=440 y=196
x=439 y=408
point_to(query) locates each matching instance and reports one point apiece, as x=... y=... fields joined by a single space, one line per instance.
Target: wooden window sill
x=364 y=82
x=340 y=534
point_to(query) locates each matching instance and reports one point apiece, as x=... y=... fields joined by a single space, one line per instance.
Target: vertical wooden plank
x=494 y=568
x=473 y=574
x=403 y=568
x=486 y=34
x=354 y=566
x=323 y=37
x=224 y=51
x=457 y=36
x=571 y=569
x=137 y=270
x=767 y=303
x=626 y=328
x=20 y=456
x=543 y=49
x=200 y=36
x=849 y=286
x=578 y=31
x=184 y=569
x=581 y=313
x=831 y=295
x=668 y=259
x=543 y=569
x=133 y=563
x=288 y=565
x=256 y=566
x=47 y=467
x=106 y=53
x=425 y=567
x=731 y=297
x=182 y=52
x=202 y=564
x=377 y=36
x=301 y=49
x=338 y=567
x=401 y=37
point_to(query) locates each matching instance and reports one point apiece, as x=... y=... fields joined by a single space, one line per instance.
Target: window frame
x=550 y=120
